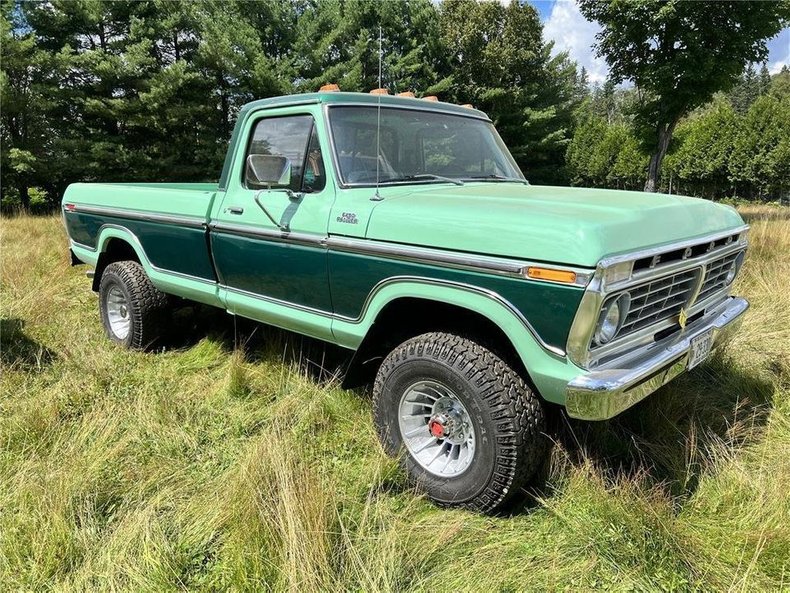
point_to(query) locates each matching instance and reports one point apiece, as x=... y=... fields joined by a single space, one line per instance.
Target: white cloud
x=573 y=33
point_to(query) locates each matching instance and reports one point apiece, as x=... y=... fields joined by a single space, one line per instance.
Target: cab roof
x=341 y=98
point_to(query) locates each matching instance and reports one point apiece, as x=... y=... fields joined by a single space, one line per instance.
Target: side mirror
x=267 y=169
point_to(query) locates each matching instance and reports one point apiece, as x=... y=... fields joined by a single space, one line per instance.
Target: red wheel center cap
x=436 y=428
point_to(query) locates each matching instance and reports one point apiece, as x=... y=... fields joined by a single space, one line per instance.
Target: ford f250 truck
x=402 y=229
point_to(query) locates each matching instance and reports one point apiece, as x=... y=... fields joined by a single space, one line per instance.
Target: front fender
x=548 y=367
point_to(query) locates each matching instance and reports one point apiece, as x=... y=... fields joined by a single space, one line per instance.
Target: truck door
x=269 y=239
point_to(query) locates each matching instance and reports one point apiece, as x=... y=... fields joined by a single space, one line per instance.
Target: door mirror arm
x=283 y=227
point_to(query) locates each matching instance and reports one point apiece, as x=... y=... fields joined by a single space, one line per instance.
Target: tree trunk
x=24 y=198
x=654 y=168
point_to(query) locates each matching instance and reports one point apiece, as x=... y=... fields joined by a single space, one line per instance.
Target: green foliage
x=746 y=91
x=500 y=64
x=700 y=163
x=761 y=149
x=715 y=152
x=750 y=86
x=679 y=54
x=338 y=42
x=604 y=155
x=102 y=90
x=131 y=91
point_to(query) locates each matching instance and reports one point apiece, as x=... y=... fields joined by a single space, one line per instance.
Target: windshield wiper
x=426 y=177
x=495 y=177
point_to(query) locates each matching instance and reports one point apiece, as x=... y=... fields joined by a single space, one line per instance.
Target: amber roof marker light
x=379 y=92
x=431 y=98
x=406 y=94
x=329 y=88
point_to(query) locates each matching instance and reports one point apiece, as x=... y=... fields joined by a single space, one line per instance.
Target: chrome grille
x=659 y=300
x=715 y=275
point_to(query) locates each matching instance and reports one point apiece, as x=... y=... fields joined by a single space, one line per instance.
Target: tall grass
x=225 y=462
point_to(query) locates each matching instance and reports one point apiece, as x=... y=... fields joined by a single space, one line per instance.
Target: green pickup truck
x=403 y=230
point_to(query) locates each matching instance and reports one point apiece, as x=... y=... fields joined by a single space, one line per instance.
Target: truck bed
x=168 y=219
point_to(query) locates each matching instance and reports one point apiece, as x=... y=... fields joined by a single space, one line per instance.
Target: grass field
x=226 y=462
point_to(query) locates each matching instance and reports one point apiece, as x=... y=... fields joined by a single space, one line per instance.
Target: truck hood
x=575 y=226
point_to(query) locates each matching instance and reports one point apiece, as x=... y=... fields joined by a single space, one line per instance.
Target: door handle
x=234 y=209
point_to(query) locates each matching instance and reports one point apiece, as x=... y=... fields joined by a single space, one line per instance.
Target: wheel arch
x=117 y=244
x=402 y=308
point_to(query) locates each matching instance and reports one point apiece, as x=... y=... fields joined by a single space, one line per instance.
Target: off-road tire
x=505 y=412
x=148 y=308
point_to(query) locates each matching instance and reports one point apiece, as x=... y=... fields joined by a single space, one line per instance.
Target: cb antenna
x=377 y=197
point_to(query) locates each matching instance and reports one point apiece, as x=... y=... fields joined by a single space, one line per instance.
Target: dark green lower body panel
x=167 y=246
x=284 y=271
x=550 y=308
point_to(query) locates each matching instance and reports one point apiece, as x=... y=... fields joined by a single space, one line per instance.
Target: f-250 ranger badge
x=348 y=218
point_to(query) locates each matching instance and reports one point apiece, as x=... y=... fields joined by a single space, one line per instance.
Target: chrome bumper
x=602 y=394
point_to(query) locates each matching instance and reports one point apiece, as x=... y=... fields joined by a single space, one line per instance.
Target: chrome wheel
x=436 y=429
x=118 y=312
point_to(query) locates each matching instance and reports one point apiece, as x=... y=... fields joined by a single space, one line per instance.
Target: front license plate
x=700 y=348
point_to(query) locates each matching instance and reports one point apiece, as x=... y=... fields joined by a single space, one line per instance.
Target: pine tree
x=746 y=91
x=24 y=131
x=501 y=64
x=764 y=80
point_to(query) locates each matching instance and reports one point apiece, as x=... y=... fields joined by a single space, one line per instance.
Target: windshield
x=417 y=147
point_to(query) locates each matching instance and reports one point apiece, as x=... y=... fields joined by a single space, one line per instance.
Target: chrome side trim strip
x=422 y=255
x=397 y=279
x=455 y=259
x=187 y=221
x=268 y=234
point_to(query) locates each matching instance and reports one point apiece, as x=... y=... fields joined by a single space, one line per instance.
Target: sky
x=572 y=32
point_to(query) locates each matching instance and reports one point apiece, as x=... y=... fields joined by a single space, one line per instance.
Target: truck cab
x=403 y=230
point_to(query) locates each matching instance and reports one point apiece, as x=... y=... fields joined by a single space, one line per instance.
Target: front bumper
x=602 y=394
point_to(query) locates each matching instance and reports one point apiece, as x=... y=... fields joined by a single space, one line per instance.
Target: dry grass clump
x=223 y=463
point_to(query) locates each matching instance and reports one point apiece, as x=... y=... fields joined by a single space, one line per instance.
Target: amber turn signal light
x=564 y=276
x=379 y=92
x=329 y=88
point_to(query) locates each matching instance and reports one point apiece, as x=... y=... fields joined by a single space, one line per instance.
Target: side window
x=314 y=171
x=294 y=138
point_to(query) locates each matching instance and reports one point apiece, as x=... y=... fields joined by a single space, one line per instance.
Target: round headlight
x=612 y=318
x=734 y=267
